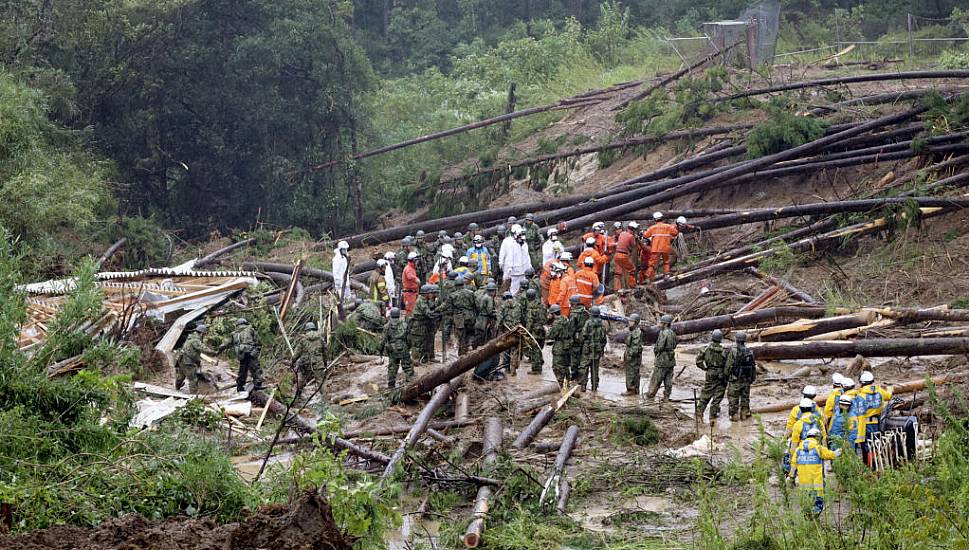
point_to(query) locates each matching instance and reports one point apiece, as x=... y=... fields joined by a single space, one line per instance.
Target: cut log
x=400 y=429
x=538 y=422
x=111 y=251
x=462 y=404
x=565 y=490
x=871 y=347
x=907 y=75
x=459 y=366
x=773 y=315
x=907 y=387
x=441 y=397
x=546 y=389
x=525 y=407
x=306 y=271
x=491 y=443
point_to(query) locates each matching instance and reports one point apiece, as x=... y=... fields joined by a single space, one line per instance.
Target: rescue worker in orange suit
x=567 y=289
x=661 y=235
x=680 y=249
x=545 y=280
x=590 y=251
x=643 y=265
x=626 y=248
x=556 y=270
x=599 y=234
x=410 y=283
x=587 y=283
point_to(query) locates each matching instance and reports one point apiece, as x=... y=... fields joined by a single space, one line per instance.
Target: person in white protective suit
x=513 y=259
x=341 y=271
x=549 y=251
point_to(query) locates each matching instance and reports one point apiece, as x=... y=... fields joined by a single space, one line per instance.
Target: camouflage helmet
x=201 y=329
x=395 y=313
x=407 y=241
x=740 y=337
x=425 y=289
x=507 y=295
x=666 y=319
x=502 y=229
x=634 y=318
x=433 y=289
x=554 y=309
x=472 y=227
x=512 y=219
x=241 y=321
x=459 y=281
x=717 y=335
x=574 y=299
x=420 y=233
x=595 y=311
x=452 y=275
x=491 y=287
x=531 y=294
x=358 y=302
x=309 y=327
x=530 y=217
x=529 y=272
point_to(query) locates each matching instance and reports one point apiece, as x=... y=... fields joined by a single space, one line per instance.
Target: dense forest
x=198 y=115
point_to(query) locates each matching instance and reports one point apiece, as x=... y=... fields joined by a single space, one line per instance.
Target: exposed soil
x=307 y=525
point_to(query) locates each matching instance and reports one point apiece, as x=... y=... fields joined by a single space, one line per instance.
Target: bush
x=782 y=131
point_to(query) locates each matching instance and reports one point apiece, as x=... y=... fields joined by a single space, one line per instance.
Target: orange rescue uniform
x=586 y=283
x=567 y=289
x=411 y=285
x=626 y=246
x=662 y=235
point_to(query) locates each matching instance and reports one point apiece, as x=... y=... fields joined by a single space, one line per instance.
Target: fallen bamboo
x=491 y=443
x=441 y=397
x=459 y=366
x=908 y=75
x=565 y=451
x=907 y=387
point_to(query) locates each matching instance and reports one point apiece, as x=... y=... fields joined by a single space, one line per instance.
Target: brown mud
x=307 y=525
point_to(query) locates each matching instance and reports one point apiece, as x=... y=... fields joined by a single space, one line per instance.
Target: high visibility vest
x=586 y=282
x=480 y=259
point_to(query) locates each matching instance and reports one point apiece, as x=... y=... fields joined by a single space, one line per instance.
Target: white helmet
x=447 y=251
x=590 y=241
x=557 y=266
x=681 y=220
x=343 y=245
x=566 y=257
x=847 y=383
x=589 y=260
x=814 y=432
x=809 y=391
x=836 y=379
x=390 y=255
x=867 y=377
x=558 y=247
x=617 y=225
x=633 y=225
x=516 y=229
x=381 y=262
x=806 y=404
x=657 y=215
x=598 y=226
x=463 y=260
x=412 y=256
x=552 y=232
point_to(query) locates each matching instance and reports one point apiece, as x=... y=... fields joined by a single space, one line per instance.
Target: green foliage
x=781 y=260
x=348 y=335
x=690 y=105
x=960 y=303
x=147 y=244
x=782 y=131
x=638 y=429
x=65 y=337
x=362 y=506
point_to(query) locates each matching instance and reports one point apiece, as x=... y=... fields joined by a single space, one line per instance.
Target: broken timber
x=907 y=75
x=420 y=425
x=557 y=478
x=540 y=420
x=871 y=347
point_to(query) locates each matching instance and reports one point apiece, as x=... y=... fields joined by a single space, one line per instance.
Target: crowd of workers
x=851 y=417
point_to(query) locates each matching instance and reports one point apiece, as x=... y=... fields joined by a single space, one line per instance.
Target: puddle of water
x=248 y=466
x=648 y=512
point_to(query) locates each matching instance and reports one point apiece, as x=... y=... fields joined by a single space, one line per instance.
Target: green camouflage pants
x=712 y=394
x=535 y=356
x=249 y=364
x=394 y=364
x=738 y=394
x=589 y=368
x=632 y=366
x=185 y=372
x=661 y=376
x=560 y=365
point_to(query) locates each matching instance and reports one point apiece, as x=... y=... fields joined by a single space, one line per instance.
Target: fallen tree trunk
x=491 y=443
x=907 y=75
x=803 y=329
x=111 y=251
x=540 y=421
x=880 y=99
x=459 y=366
x=771 y=315
x=907 y=387
x=420 y=425
x=214 y=256
x=872 y=347
x=306 y=271
x=557 y=477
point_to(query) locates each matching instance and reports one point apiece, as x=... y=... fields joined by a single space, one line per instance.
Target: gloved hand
x=837 y=452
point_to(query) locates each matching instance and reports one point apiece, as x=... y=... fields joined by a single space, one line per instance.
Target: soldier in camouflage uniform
x=495 y=246
x=577 y=318
x=632 y=359
x=742 y=369
x=664 y=352
x=247 y=348
x=560 y=334
x=367 y=316
x=713 y=361
x=533 y=237
x=486 y=321
x=535 y=317
x=593 y=339
x=444 y=307
x=189 y=360
x=510 y=315
x=425 y=256
x=421 y=325
x=308 y=354
x=394 y=346
x=463 y=308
